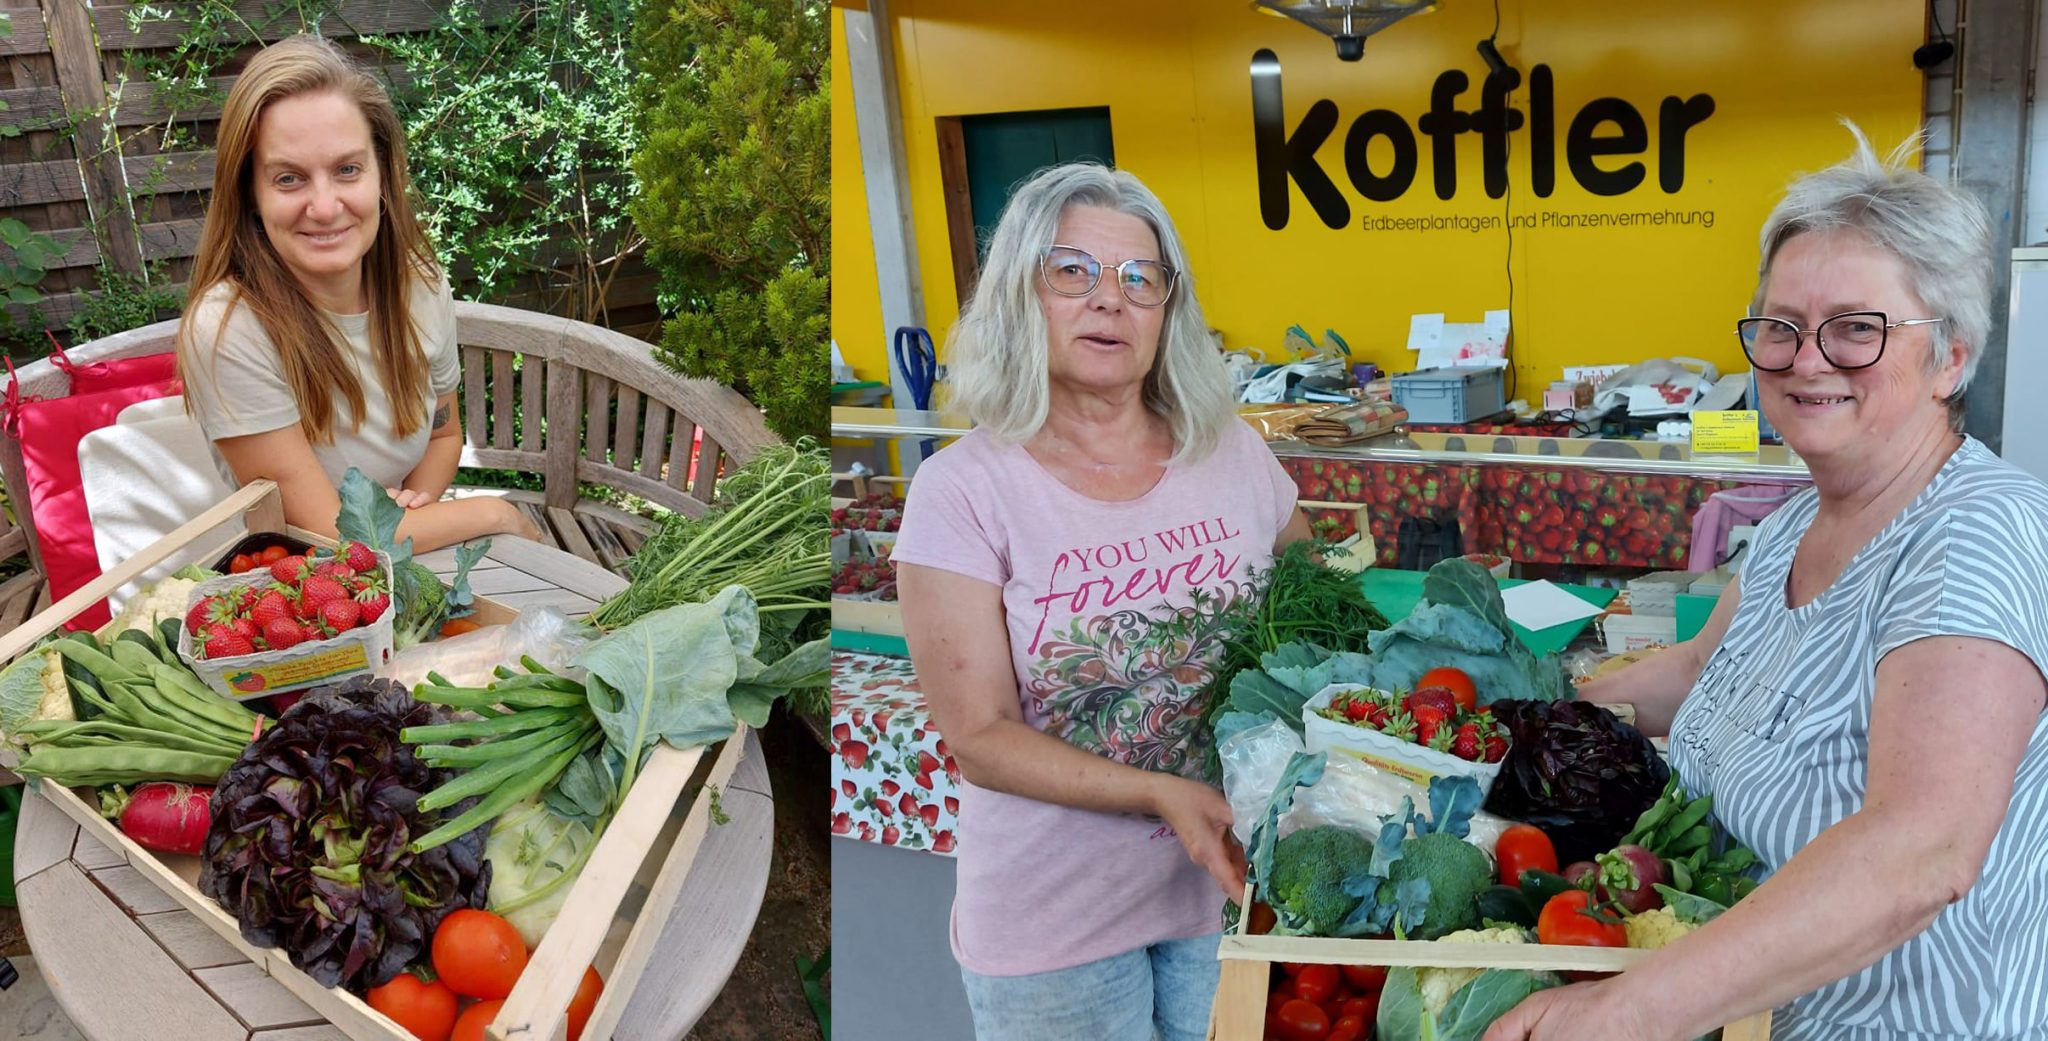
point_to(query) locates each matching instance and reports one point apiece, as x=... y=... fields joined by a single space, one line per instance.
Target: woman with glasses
x=1866 y=703
x=1062 y=570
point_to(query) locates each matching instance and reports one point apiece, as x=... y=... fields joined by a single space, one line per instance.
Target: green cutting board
x=1397 y=592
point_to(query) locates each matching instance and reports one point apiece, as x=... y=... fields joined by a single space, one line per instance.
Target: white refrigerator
x=2026 y=363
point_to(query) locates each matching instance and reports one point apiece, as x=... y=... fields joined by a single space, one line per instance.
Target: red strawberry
x=1357 y=710
x=841 y=732
x=1435 y=697
x=269 y=607
x=336 y=570
x=854 y=752
x=1428 y=719
x=359 y=557
x=943 y=842
x=890 y=788
x=930 y=813
x=883 y=807
x=882 y=721
x=288 y=569
x=924 y=781
x=908 y=805
x=342 y=614
x=890 y=833
x=867 y=832
x=841 y=823
x=1496 y=749
x=952 y=805
x=283 y=632
x=224 y=642
x=925 y=763
x=206 y=612
x=244 y=628
x=318 y=590
x=848 y=788
x=1465 y=745
x=374 y=605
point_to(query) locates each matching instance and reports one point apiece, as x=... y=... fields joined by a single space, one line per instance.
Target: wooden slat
x=597 y=397
x=708 y=459
x=17 y=596
x=163 y=240
x=192 y=942
x=610 y=551
x=533 y=397
x=563 y=572
x=538 y=514
x=497 y=581
x=84 y=87
x=134 y=892
x=93 y=855
x=168 y=172
x=473 y=431
x=33 y=105
x=565 y=410
x=627 y=481
x=149 y=997
x=344 y=19
x=46 y=844
x=35 y=184
x=319 y=1033
x=653 y=440
x=28 y=35
x=626 y=436
x=502 y=392
x=255 y=998
x=632 y=537
x=561 y=600
x=571 y=534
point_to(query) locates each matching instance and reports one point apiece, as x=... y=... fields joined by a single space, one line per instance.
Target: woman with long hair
x=319 y=333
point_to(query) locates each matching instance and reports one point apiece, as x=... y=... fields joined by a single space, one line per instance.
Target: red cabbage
x=1576 y=771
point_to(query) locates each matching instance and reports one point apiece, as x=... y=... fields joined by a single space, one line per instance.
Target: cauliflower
x=1439 y=984
x=166 y=599
x=1653 y=929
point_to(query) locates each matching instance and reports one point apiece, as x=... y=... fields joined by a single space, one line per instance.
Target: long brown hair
x=234 y=250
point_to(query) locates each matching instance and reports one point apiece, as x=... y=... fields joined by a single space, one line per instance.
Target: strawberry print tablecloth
x=892 y=779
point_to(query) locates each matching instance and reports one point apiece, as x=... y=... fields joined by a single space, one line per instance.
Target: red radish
x=168 y=817
x=1627 y=875
x=1578 y=872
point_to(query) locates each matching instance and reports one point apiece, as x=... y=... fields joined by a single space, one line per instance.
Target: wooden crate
x=1240 y=1008
x=646 y=851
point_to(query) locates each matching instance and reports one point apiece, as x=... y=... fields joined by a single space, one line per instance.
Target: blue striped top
x=1777 y=729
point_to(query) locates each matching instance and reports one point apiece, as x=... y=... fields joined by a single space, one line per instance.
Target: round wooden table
x=126 y=962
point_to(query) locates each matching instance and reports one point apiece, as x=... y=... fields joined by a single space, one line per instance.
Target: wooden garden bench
x=571 y=402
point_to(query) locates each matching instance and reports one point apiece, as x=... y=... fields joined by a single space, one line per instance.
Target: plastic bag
x=544 y=633
x=1253 y=760
x=1355 y=794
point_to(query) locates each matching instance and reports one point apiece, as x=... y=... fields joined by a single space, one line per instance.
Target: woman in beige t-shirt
x=320 y=331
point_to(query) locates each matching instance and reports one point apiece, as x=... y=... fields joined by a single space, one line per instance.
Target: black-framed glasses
x=1851 y=340
x=1069 y=271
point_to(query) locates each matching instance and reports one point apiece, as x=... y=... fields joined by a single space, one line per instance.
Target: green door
x=1005 y=148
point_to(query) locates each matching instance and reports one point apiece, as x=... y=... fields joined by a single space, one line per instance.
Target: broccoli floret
x=1457 y=873
x=1309 y=869
x=420 y=617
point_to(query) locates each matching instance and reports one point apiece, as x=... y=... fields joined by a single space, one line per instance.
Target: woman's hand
x=408 y=498
x=1201 y=816
x=1582 y=1010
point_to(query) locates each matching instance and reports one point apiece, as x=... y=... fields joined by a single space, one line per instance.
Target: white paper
x=1541 y=604
x=1436 y=358
x=1497 y=325
x=1425 y=331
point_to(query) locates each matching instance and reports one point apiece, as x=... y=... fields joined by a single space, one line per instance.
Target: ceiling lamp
x=1348 y=22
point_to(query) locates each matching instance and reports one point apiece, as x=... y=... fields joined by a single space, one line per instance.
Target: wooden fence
x=60 y=67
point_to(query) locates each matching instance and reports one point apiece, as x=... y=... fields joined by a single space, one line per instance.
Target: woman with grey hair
x=1062 y=571
x=1866 y=703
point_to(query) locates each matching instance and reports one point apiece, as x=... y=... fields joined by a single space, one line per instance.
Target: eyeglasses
x=1852 y=340
x=1073 y=272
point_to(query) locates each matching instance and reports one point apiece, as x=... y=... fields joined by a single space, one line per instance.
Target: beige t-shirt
x=238 y=387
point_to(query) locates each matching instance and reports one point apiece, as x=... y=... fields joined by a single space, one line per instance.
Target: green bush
x=735 y=180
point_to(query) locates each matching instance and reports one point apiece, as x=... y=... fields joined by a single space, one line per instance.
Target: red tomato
x=1316 y=983
x=474 y=1019
x=1292 y=968
x=1349 y=1028
x=1300 y=1021
x=1279 y=996
x=585 y=1002
x=1357 y=1007
x=478 y=954
x=1459 y=684
x=1368 y=978
x=1524 y=847
x=240 y=564
x=272 y=555
x=425 y=1010
x=1263 y=919
x=1566 y=920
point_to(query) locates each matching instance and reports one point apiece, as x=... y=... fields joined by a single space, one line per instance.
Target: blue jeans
x=1157 y=993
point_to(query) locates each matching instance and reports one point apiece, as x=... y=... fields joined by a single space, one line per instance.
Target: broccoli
x=1309 y=870
x=419 y=615
x=1457 y=873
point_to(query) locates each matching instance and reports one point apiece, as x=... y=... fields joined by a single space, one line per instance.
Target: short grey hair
x=1939 y=232
x=997 y=353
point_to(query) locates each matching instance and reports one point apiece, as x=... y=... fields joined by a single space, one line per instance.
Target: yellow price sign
x=1731 y=432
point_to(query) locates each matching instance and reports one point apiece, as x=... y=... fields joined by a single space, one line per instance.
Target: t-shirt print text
x=1732 y=698
x=1103 y=576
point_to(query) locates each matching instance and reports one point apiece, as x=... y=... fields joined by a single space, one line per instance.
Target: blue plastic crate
x=1458 y=395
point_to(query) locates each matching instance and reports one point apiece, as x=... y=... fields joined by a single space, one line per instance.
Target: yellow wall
x=856 y=300
x=1176 y=79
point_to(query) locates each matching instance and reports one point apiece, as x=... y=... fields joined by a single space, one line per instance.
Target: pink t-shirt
x=1111 y=608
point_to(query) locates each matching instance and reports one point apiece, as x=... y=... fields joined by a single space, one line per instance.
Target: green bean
x=511 y=723
x=485 y=778
x=132 y=657
x=1692 y=815
x=59 y=732
x=111 y=765
x=503 y=798
x=179 y=687
x=488 y=752
x=139 y=702
x=90 y=658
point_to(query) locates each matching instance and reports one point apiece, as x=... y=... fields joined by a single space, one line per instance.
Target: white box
x=1630 y=632
x=1656 y=594
x=1402 y=758
x=359 y=651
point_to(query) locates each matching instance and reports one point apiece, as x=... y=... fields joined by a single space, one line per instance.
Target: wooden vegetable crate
x=1240 y=1008
x=646 y=852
